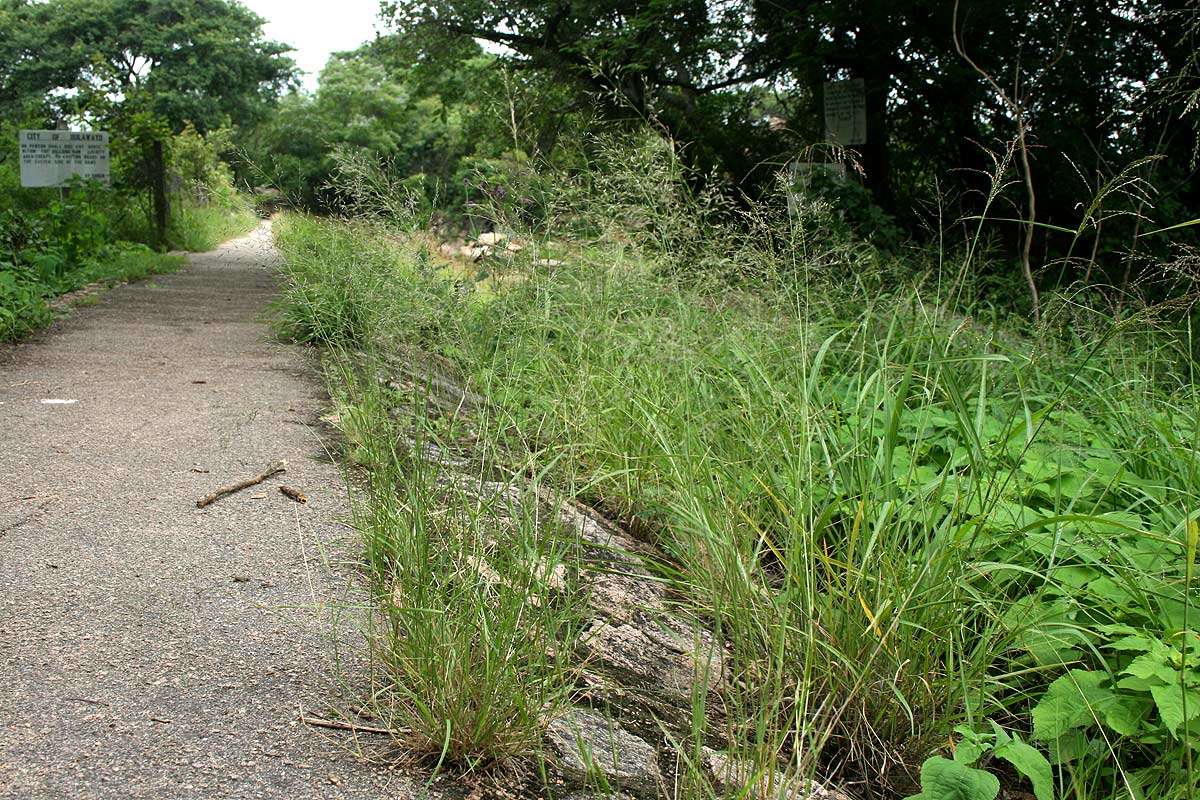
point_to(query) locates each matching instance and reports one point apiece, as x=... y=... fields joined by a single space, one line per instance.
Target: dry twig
x=295 y=494
x=274 y=469
x=321 y=722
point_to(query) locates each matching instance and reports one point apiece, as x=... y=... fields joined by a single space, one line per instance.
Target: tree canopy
x=715 y=73
x=200 y=61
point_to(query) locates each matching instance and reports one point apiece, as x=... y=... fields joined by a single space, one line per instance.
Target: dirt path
x=148 y=648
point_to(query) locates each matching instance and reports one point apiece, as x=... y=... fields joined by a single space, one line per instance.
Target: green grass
x=27 y=286
x=467 y=667
x=918 y=533
x=198 y=227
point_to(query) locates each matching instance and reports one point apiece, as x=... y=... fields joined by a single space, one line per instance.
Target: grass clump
x=473 y=599
x=926 y=538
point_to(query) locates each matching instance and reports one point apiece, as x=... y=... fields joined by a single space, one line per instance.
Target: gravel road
x=149 y=648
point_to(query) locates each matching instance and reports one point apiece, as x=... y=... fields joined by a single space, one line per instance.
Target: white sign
x=846 y=112
x=54 y=158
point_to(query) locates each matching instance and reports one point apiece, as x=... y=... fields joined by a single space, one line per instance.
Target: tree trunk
x=158 y=187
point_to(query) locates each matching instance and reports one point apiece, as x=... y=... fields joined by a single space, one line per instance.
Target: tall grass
x=199 y=227
x=907 y=524
x=472 y=587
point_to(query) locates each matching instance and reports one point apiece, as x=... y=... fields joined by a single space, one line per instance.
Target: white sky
x=317 y=28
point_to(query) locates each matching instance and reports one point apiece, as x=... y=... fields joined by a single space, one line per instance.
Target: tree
x=199 y=61
x=670 y=60
x=699 y=67
x=368 y=102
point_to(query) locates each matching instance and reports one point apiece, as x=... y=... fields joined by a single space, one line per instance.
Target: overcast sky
x=317 y=28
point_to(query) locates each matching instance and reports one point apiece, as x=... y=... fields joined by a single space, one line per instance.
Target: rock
x=731 y=775
x=604 y=542
x=514 y=247
x=640 y=713
x=550 y=577
x=651 y=657
x=586 y=746
x=623 y=597
x=472 y=252
x=491 y=238
x=449 y=249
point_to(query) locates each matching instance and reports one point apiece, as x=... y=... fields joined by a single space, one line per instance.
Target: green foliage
x=663 y=59
x=198 y=61
x=200 y=226
x=434 y=126
x=1027 y=760
x=901 y=519
x=468 y=669
x=741 y=87
x=942 y=779
x=52 y=242
x=196 y=160
x=22 y=307
x=25 y=289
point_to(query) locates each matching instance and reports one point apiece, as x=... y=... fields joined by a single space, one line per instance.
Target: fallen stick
x=321 y=722
x=295 y=494
x=273 y=469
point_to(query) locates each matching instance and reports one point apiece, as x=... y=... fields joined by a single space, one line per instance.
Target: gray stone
x=588 y=747
x=623 y=597
x=667 y=661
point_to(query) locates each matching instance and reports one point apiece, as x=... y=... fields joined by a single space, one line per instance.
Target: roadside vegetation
x=907 y=425
x=928 y=533
x=911 y=427
x=54 y=242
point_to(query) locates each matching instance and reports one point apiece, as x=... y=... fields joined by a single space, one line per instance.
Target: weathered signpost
x=56 y=158
x=846 y=112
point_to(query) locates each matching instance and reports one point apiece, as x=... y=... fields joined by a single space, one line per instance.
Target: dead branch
x=273 y=469
x=321 y=722
x=295 y=494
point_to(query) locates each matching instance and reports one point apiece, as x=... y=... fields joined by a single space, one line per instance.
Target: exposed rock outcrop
x=591 y=749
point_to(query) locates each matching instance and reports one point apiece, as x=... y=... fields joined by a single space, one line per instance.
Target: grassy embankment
x=924 y=536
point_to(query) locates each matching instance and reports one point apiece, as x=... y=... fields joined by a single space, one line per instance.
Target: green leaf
x=1047 y=225
x=1170 y=702
x=1069 y=747
x=1069 y=703
x=1177 y=226
x=943 y=779
x=970 y=747
x=1151 y=666
x=1136 y=643
x=1030 y=762
x=1124 y=713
